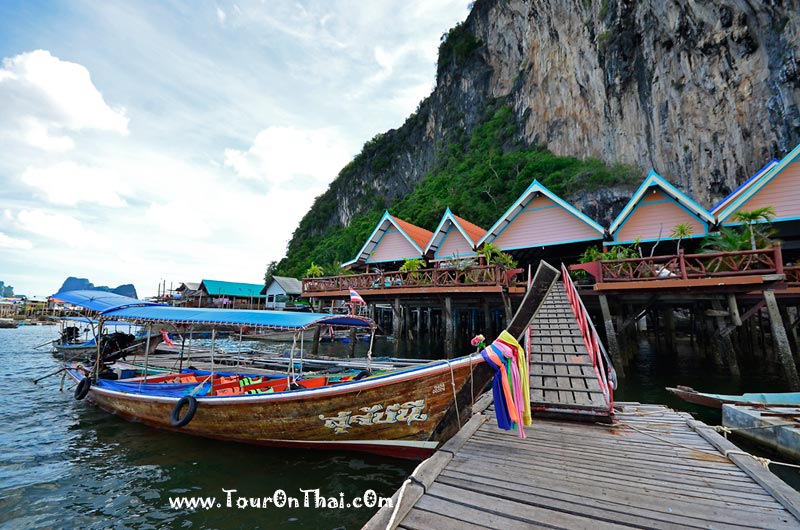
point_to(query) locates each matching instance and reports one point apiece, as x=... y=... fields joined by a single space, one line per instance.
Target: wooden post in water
x=724 y=341
x=783 y=350
x=449 y=335
x=397 y=320
x=611 y=337
x=669 y=329
x=317 y=334
x=791 y=333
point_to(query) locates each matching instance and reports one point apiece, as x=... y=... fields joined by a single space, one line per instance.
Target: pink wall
x=782 y=193
x=656 y=212
x=543 y=222
x=454 y=244
x=392 y=247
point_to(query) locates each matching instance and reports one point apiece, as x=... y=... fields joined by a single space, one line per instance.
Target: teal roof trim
x=441 y=233
x=240 y=290
x=375 y=238
x=759 y=184
x=654 y=179
x=520 y=204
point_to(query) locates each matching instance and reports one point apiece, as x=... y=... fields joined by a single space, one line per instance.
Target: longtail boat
x=404 y=413
x=716 y=401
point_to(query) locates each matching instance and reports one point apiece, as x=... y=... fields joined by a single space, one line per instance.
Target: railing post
x=776 y=247
x=682 y=265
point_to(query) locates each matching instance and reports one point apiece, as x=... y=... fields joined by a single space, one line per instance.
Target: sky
x=165 y=141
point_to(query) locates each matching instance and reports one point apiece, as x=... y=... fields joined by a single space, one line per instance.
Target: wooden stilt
x=733 y=309
x=611 y=337
x=397 y=320
x=669 y=330
x=315 y=345
x=782 y=347
x=791 y=333
x=726 y=349
x=449 y=335
x=353 y=340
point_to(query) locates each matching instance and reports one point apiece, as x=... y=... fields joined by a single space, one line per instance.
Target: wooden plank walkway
x=562 y=378
x=653 y=468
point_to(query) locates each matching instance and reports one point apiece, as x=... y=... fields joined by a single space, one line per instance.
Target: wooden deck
x=653 y=468
x=562 y=377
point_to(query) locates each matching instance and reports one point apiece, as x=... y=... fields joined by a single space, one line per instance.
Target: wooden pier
x=652 y=468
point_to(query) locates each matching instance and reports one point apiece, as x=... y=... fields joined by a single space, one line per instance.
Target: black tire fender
x=83 y=388
x=175 y=418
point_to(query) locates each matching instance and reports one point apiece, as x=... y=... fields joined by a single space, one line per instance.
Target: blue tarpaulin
x=288 y=320
x=98 y=300
x=119 y=307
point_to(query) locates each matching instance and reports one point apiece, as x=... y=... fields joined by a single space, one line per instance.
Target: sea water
x=66 y=464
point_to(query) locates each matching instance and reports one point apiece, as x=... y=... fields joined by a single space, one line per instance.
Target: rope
x=761 y=460
x=455 y=399
x=411 y=478
x=369 y=351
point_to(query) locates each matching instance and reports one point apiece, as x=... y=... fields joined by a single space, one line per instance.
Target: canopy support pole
x=99 y=350
x=147 y=350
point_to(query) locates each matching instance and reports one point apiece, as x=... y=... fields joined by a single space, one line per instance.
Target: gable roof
x=534 y=190
x=758 y=184
x=418 y=237
x=288 y=285
x=655 y=180
x=721 y=205
x=470 y=231
x=221 y=288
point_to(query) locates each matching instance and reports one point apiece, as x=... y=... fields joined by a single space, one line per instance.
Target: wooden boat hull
x=717 y=400
x=404 y=414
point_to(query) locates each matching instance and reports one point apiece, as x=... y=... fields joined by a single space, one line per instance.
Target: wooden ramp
x=653 y=468
x=562 y=377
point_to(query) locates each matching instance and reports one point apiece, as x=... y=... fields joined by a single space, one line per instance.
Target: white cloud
x=60 y=227
x=68 y=183
x=286 y=155
x=9 y=242
x=206 y=185
x=43 y=97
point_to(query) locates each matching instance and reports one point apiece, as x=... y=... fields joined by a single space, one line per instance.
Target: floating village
x=515 y=425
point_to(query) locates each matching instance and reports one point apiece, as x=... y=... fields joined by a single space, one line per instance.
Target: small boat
x=772 y=426
x=8 y=323
x=120 y=340
x=717 y=400
x=404 y=413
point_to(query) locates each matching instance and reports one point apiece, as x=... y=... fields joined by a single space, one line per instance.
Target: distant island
x=76 y=284
x=6 y=291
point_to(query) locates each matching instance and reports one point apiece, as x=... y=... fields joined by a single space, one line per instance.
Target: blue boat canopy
x=99 y=300
x=284 y=320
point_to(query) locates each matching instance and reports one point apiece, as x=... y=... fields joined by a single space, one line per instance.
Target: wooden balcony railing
x=472 y=276
x=688 y=266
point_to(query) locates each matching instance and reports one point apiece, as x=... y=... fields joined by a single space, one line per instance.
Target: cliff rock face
x=703 y=92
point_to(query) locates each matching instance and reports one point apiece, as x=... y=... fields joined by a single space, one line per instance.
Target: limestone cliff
x=705 y=93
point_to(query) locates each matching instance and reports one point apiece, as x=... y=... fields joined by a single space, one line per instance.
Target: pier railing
x=688 y=266
x=442 y=277
x=603 y=368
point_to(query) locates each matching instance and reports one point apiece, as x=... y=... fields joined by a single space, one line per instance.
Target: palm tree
x=763 y=214
x=314 y=271
x=679 y=232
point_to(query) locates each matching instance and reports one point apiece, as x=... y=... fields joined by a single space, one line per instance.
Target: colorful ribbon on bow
x=511 y=387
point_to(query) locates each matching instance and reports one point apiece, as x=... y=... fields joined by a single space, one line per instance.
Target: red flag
x=355 y=297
